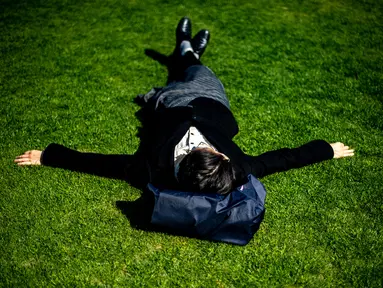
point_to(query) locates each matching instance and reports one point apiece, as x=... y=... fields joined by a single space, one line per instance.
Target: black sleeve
x=111 y=166
x=285 y=159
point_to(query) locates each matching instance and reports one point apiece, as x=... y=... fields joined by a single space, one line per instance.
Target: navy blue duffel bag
x=232 y=218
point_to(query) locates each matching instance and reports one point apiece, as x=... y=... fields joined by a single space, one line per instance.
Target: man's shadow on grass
x=169 y=61
x=139 y=211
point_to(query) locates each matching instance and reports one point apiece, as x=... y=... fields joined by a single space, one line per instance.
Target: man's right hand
x=340 y=150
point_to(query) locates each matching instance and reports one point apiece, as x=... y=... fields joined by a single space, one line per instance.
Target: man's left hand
x=31 y=157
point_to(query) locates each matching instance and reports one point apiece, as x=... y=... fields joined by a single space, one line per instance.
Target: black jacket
x=154 y=161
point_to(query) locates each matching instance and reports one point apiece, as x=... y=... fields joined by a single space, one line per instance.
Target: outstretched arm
x=55 y=155
x=286 y=158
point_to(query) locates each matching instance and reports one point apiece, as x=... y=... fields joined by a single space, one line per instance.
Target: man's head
x=205 y=170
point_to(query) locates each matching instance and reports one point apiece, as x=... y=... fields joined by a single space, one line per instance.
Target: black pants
x=188 y=80
x=179 y=64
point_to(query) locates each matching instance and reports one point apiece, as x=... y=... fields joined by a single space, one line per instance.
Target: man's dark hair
x=202 y=170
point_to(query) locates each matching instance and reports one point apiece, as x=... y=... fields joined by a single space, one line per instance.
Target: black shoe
x=199 y=42
x=183 y=31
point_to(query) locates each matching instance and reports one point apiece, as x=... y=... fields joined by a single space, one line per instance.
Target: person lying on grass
x=187 y=143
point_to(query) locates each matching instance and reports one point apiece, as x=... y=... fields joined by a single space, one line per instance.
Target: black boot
x=200 y=41
x=183 y=31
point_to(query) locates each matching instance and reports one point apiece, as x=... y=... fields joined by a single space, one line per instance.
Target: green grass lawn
x=294 y=71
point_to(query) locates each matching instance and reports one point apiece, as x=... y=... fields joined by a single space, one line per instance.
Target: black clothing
x=198 y=82
x=155 y=162
x=165 y=122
